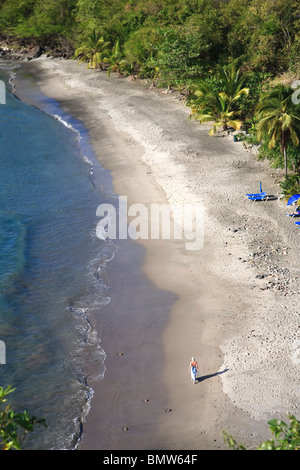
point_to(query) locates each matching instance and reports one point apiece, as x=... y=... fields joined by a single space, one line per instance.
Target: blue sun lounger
x=257 y=196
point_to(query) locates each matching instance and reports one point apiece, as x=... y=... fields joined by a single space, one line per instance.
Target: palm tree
x=116 y=59
x=214 y=106
x=94 y=51
x=233 y=81
x=278 y=119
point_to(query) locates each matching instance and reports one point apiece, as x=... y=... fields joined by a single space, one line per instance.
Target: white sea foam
x=67 y=124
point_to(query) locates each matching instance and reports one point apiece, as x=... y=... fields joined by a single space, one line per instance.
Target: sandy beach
x=233 y=304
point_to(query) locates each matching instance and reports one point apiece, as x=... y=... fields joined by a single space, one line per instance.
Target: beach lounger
x=257 y=196
x=294 y=214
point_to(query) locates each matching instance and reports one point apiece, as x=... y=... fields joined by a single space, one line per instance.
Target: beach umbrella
x=260 y=187
x=293 y=199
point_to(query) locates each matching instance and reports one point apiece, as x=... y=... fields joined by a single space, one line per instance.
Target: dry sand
x=234 y=303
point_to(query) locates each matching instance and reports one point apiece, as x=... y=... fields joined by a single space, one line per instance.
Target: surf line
x=165 y=221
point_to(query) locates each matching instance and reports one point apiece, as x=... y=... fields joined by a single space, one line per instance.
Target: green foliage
x=93 y=51
x=216 y=100
x=278 y=119
x=139 y=51
x=38 y=18
x=285 y=436
x=232 y=81
x=257 y=83
x=273 y=155
x=290 y=186
x=14 y=426
x=175 y=41
x=276 y=157
x=179 y=56
x=116 y=59
x=263 y=32
x=215 y=107
x=180 y=43
x=15 y=12
x=231 y=442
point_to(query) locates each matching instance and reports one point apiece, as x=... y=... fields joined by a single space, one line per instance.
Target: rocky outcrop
x=28 y=49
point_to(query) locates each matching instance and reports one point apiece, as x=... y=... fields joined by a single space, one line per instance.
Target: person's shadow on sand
x=204 y=377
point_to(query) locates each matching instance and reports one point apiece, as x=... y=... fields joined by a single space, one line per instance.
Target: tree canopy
x=206 y=33
x=236 y=48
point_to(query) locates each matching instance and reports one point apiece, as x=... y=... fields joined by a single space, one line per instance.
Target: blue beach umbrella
x=260 y=187
x=293 y=199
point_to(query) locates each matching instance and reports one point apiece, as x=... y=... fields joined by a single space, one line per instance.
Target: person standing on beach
x=194 y=369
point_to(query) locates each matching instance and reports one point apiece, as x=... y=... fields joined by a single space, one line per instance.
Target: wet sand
x=233 y=304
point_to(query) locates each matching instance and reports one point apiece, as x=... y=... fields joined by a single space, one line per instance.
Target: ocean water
x=52 y=265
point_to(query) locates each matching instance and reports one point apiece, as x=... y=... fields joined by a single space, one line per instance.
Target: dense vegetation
x=185 y=44
x=177 y=40
x=14 y=427
x=284 y=436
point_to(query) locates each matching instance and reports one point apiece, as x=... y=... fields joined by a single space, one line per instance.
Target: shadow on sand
x=205 y=377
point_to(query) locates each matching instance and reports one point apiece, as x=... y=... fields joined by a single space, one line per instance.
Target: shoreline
x=221 y=308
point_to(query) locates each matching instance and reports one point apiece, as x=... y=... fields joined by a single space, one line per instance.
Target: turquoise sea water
x=52 y=265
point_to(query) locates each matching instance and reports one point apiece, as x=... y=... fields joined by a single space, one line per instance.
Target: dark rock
x=37 y=51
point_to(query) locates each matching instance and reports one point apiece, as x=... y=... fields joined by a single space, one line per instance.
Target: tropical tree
x=278 y=119
x=179 y=55
x=219 y=113
x=215 y=100
x=213 y=107
x=93 y=51
x=233 y=81
x=116 y=59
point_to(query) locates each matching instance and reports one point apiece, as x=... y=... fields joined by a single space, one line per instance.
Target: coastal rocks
x=21 y=49
x=36 y=52
x=4 y=50
x=268 y=259
x=267 y=256
x=278 y=278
